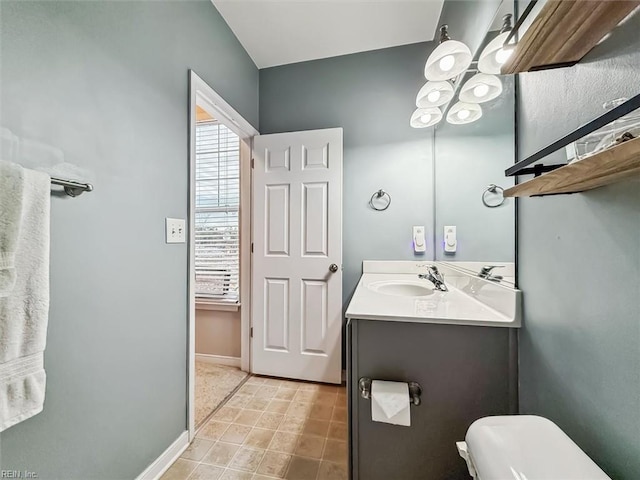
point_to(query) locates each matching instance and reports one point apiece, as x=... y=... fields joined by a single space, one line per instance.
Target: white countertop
x=455 y=307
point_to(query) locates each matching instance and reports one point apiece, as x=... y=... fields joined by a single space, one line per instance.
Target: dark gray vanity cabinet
x=466 y=372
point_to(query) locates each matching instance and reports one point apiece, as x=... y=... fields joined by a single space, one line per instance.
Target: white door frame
x=202 y=94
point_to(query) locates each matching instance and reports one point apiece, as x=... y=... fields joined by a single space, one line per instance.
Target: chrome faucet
x=485 y=272
x=435 y=277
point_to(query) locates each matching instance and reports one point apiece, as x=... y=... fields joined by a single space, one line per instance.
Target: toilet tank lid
x=527 y=447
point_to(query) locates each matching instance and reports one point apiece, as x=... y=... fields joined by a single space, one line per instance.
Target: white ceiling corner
x=278 y=32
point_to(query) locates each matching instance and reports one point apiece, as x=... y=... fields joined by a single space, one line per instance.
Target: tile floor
x=271 y=429
x=214 y=383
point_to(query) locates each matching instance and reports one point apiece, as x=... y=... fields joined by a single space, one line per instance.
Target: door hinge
x=253 y=163
x=251 y=332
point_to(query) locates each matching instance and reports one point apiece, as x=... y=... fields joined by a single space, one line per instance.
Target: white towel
x=24 y=291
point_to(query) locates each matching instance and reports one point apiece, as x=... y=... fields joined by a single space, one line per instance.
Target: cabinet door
x=465 y=373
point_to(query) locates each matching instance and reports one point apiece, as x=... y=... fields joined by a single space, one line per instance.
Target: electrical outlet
x=176 y=230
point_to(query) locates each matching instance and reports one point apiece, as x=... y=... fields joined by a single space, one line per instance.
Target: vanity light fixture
x=425 y=117
x=434 y=94
x=463 y=112
x=495 y=54
x=448 y=60
x=480 y=88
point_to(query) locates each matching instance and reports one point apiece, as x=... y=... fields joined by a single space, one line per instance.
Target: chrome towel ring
x=492 y=188
x=380 y=194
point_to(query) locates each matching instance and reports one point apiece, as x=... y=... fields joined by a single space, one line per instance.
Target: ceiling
x=278 y=32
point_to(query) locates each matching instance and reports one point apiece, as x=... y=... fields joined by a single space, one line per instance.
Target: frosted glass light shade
x=434 y=94
x=425 y=117
x=448 y=60
x=481 y=88
x=494 y=55
x=463 y=112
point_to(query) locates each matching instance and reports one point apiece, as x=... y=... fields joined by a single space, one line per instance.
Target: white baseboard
x=166 y=459
x=218 y=359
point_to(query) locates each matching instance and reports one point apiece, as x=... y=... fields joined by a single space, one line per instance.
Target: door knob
x=333 y=268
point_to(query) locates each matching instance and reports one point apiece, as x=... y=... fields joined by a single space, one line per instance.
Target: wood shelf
x=610 y=166
x=565 y=31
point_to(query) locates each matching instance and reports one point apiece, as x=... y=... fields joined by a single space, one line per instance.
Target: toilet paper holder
x=415 y=390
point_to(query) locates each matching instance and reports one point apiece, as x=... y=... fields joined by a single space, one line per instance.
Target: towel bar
x=72 y=188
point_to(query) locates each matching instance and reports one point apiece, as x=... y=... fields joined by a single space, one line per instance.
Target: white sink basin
x=401 y=288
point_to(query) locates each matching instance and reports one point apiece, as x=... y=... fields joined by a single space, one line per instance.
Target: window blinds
x=217 y=206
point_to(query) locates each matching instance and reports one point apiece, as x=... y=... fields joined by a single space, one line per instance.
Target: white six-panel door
x=297 y=255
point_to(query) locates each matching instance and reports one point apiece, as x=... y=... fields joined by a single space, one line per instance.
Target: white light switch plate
x=450 y=240
x=176 y=230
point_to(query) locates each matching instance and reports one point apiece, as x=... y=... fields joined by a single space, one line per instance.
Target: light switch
x=450 y=240
x=176 y=230
x=419 y=244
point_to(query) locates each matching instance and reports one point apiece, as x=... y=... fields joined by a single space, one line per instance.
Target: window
x=217 y=239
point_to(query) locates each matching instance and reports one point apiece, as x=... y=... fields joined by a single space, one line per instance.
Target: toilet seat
x=524 y=447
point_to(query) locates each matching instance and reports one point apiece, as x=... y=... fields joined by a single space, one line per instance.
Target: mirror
x=468 y=159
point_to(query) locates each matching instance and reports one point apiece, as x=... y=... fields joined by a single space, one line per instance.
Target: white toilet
x=524 y=447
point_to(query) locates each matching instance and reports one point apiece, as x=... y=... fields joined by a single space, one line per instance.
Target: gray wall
x=579 y=268
x=371 y=95
x=103 y=87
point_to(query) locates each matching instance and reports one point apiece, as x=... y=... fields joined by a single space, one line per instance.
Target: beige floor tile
x=266 y=392
x=274 y=464
x=238 y=401
x=259 y=438
x=220 y=454
x=292 y=384
x=247 y=459
x=248 y=417
x=326 y=398
x=329 y=388
x=301 y=468
x=249 y=389
x=255 y=380
x=292 y=424
x=310 y=446
x=305 y=396
x=284 y=442
x=338 y=431
x=257 y=476
x=226 y=414
x=236 y=475
x=335 y=451
x=236 y=433
x=316 y=427
x=285 y=393
x=299 y=409
x=312 y=387
x=273 y=382
x=213 y=430
x=180 y=470
x=278 y=406
x=270 y=420
x=206 y=472
x=332 y=471
x=339 y=415
x=259 y=404
x=198 y=448
x=321 y=411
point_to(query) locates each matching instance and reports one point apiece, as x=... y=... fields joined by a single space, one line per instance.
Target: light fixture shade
x=425 y=117
x=448 y=60
x=494 y=55
x=463 y=112
x=434 y=94
x=480 y=88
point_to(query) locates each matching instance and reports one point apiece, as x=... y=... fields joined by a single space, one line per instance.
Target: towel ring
x=379 y=194
x=492 y=188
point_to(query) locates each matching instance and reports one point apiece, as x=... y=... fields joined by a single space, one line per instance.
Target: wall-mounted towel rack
x=71 y=188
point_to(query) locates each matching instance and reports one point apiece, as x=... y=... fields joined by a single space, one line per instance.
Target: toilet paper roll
x=390 y=403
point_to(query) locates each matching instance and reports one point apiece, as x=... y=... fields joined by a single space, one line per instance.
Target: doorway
x=219 y=250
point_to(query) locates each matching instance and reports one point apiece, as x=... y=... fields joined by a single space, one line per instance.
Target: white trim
x=219 y=306
x=202 y=94
x=166 y=459
x=218 y=359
